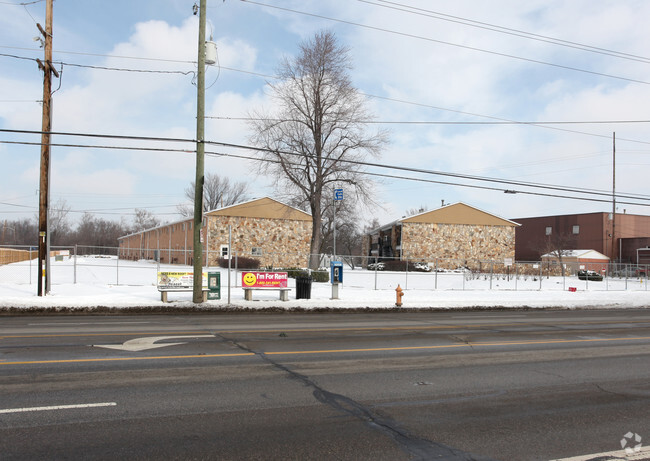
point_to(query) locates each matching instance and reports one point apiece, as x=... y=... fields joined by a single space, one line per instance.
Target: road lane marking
x=127 y=359
x=40 y=324
x=58 y=407
x=143 y=344
x=315 y=330
x=449 y=346
x=81 y=335
x=620 y=455
x=331 y=351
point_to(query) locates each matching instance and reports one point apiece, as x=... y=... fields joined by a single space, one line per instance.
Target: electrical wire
x=22 y=3
x=497 y=120
x=119 y=69
x=504 y=30
x=578 y=190
x=442 y=42
x=441 y=122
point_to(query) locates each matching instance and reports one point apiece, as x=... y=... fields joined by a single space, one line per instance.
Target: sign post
x=338 y=197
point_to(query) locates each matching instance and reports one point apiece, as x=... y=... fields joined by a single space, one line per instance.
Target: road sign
x=338 y=195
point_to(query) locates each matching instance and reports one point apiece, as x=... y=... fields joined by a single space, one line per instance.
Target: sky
x=445 y=79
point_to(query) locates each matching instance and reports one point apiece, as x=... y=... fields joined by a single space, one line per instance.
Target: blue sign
x=336 y=271
x=338 y=194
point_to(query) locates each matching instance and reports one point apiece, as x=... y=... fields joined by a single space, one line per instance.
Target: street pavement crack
x=417 y=447
x=462 y=340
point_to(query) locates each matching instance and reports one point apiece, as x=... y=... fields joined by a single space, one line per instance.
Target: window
x=549 y=230
x=256 y=251
x=225 y=254
x=576 y=230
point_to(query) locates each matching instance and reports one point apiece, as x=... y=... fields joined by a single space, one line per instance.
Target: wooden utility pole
x=44 y=187
x=197 y=249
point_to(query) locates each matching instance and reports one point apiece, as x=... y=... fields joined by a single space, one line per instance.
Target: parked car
x=590 y=275
x=376 y=266
x=423 y=267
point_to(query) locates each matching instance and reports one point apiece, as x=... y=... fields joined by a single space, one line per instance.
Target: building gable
x=264 y=208
x=459 y=213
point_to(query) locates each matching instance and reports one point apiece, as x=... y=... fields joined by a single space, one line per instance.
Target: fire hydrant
x=399 y=293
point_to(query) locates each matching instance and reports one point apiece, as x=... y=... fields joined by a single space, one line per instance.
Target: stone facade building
x=272 y=232
x=453 y=235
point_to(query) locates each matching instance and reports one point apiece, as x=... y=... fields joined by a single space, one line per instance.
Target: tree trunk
x=314 y=248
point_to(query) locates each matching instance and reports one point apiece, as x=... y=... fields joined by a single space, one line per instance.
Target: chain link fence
x=111 y=266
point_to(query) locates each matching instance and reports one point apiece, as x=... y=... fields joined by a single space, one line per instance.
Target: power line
x=497 y=120
x=119 y=69
x=466 y=47
x=505 y=30
x=359 y=163
x=22 y=3
x=443 y=122
x=100 y=55
x=430 y=106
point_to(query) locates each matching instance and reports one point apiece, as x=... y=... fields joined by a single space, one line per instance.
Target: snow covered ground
x=94 y=281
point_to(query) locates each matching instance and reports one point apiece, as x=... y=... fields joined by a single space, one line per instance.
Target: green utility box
x=214 y=285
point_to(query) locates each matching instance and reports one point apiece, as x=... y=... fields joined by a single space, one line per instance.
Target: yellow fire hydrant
x=399 y=293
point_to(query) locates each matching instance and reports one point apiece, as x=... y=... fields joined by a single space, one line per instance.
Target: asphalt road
x=508 y=385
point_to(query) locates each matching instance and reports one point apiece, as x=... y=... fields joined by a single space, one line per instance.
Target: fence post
x=236 y=269
x=435 y=267
x=375 y=272
x=541 y=268
x=117 y=269
x=75 y=264
x=491 y=273
x=516 y=275
x=463 y=273
x=30 y=265
x=406 y=282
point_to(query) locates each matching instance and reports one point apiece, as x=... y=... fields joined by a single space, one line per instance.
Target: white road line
x=58 y=407
x=82 y=323
x=620 y=455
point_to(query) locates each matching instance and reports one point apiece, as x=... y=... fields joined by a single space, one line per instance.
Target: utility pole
x=614 y=197
x=44 y=188
x=197 y=293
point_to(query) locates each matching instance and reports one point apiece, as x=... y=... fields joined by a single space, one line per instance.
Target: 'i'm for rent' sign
x=264 y=279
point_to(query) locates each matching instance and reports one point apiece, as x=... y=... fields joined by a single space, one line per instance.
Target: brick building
x=575 y=260
x=457 y=232
x=589 y=230
x=274 y=233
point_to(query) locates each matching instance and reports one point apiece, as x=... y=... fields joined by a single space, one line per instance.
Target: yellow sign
x=179 y=279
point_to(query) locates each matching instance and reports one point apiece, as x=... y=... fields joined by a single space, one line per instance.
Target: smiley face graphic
x=249 y=279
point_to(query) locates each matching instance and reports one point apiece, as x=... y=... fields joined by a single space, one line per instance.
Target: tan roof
x=264 y=207
x=459 y=213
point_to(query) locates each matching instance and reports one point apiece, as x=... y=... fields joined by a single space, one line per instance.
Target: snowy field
x=95 y=281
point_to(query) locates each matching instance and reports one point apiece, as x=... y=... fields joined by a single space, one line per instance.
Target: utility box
x=214 y=285
x=336 y=275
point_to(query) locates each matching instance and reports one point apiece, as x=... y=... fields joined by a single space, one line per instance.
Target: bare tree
x=558 y=245
x=98 y=232
x=319 y=137
x=144 y=219
x=217 y=192
x=346 y=218
x=58 y=222
x=414 y=211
